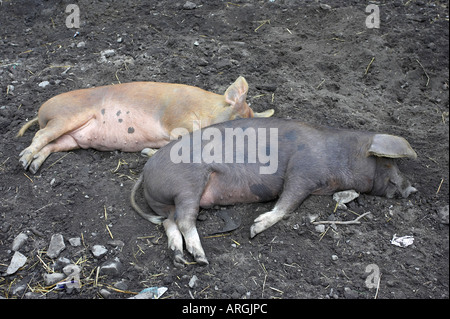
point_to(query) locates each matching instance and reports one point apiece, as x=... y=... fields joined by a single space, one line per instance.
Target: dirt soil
x=305 y=59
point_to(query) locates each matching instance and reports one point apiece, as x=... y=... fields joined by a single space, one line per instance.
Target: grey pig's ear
x=385 y=145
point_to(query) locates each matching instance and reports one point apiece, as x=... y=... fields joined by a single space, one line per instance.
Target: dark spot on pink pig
x=131 y=130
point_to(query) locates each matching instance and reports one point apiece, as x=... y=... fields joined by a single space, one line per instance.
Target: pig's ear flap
x=384 y=145
x=236 y=94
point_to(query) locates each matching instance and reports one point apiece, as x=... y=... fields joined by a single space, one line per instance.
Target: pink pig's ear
x=236 y=95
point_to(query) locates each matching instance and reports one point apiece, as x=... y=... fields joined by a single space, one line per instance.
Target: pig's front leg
x=289 y=200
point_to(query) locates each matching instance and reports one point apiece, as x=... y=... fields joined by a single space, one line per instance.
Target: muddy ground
x=307 y=60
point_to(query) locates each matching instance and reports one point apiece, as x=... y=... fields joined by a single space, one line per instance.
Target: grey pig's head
x=389 y=181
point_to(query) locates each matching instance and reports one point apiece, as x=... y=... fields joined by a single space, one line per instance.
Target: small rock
x=51 y=279
x=320 y=228
x=75 y=241
x=99 y=251
x=345 y=197
x=105 y=293
x=350 y=293
x=19 y=241
x=324 y=6
x=150 y=293
x=119 y=40
x=111 y=267
x=122 y=285
x=43 y=84
x=81 y=44
x=33 y=295
x=189 y=5
x=56 y=246
x=193 y=281
x=10 y=88
x=334 y=257
x=17 y=262
x=118 y=244
x=312 y=217
x=443 y=215
x=108 y=53
x=60 y=263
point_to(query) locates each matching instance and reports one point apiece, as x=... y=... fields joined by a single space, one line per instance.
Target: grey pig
x=309 y=159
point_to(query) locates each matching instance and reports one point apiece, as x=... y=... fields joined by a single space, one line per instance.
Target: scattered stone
x=19 y=241
x=111 y=267
x=56 y=246
x=443 y=215
x=105 y=293
x=312 y=217
x=320 y=228
x=17 y=262
x=51 y=279
x=60 y=263
x=33 y=295
x=345 y=197
x=193 y=281
x=324 y=6
x=189 y=5
x=99 y=251
x=108 y=53
x=350 y=293
x=118 y=244
x=75 y=241
x=43 y=84
x=122 y=285
x=334 y=257
x=150 y=293
x=81 y=44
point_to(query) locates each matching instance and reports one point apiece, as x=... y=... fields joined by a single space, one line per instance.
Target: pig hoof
x=24 y=163
x=258 y=227
x=201 y=260
x=179 y=260
x=148 y=152
x=34 y=168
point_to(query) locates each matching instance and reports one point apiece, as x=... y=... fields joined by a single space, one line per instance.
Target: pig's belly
x=229 y=190
x=128 y=135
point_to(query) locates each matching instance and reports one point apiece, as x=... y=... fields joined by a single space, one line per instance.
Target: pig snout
x=389 y=181
x=309 y=160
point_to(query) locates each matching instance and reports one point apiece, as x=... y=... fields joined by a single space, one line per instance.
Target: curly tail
x=26 y=126
x=155 y=219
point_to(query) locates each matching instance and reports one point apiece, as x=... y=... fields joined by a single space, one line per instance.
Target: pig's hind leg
x=61 y=144
x=185 y=218
x=48 y=133
x=175 y=241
